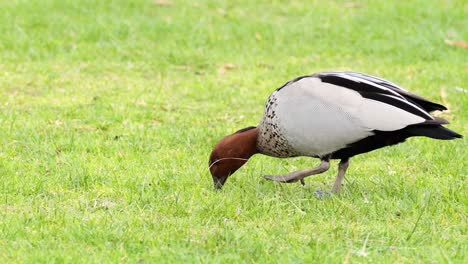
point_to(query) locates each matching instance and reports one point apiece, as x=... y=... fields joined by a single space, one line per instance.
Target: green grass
x=109 y=110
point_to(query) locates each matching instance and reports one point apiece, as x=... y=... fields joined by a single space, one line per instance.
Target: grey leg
x=300 y=175
x=342 y=167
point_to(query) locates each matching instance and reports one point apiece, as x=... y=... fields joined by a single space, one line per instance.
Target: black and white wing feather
x=370 y=84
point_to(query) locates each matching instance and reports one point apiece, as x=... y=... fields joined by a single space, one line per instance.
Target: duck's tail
x=433 y=131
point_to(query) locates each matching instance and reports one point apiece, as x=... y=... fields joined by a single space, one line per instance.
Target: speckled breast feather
x=271 y=140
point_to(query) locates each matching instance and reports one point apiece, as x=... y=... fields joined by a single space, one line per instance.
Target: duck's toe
x=280 y=178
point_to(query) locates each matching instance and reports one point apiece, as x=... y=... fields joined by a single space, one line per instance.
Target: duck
x=329 y=115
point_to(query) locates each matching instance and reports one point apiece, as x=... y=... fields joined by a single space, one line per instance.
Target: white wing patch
x=376 y=115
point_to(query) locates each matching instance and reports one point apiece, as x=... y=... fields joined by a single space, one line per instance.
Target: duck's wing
x=379 y=82
x=365 y=98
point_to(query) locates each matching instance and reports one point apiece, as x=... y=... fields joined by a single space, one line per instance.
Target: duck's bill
x=218 y=183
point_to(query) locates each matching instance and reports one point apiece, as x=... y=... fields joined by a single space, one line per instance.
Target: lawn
x=109 y=111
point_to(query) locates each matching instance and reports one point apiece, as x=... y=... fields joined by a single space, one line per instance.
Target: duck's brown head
x=230 y=153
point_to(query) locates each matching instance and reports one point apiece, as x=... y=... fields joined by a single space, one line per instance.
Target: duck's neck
x=246 y=141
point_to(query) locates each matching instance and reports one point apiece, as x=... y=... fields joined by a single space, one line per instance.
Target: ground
x=109 y=110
